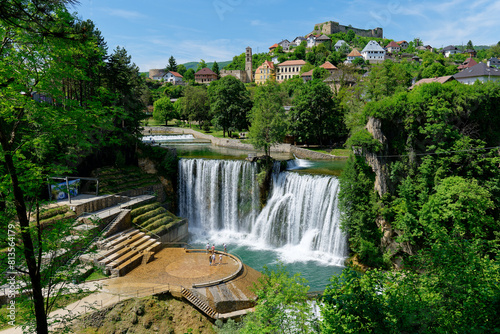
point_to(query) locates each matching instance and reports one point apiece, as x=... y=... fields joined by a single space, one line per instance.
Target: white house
x=493 y=62
x=285 y=44
x=479 y=72
x=339 y=44
x=373 y=52
x=353 y=55
x=173 y=77
x=403 y=44
x=311 y=40
x=450 y=50
x=298 y=40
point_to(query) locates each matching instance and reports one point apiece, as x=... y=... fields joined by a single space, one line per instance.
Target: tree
x=181 y=69
x=470 y=46
x=215 y=68
x=267 y=117
x=201 y=65
x=229 y=103
x=282 y=305
x=359 y=61
x=320 y=73
x=172 y=64
x=189 y=75
x=317 y=115
x=40 y=41
x=163 y=110
x=196 y=105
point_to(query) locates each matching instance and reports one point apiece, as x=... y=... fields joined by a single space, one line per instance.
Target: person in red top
x=213 y=248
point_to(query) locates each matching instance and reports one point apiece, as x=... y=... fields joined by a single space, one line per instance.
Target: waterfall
x=300 y=220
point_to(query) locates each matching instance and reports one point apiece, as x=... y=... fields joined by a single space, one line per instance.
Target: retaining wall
x=308 y=154
x=178 y=232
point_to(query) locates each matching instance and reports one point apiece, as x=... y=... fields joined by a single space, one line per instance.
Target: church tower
x=248 y=64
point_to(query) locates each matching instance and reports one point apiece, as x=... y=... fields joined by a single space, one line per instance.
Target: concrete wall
x=124 y=221
x=97 y=204
x=308 y=154
x=178 y=232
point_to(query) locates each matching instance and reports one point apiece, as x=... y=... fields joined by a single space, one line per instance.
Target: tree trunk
x=29 y=251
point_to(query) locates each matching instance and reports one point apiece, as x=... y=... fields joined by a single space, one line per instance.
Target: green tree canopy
x=172 y=64
x=164 y=110
x=267 y=117
x=229 y=103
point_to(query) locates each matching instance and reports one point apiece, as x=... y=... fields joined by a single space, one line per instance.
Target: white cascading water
x=300 y=219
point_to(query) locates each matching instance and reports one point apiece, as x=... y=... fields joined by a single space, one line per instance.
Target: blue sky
x=190 y=30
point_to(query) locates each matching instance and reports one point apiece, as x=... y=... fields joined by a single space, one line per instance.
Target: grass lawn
x=96 y=274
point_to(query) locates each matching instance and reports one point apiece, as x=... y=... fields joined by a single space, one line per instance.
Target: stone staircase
x=201 y=305
x=126 y=250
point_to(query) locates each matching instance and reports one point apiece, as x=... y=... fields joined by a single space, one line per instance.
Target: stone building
x=332 y=27
x=245 y=76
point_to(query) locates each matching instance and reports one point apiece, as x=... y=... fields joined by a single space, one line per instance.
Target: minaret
x=248 y=64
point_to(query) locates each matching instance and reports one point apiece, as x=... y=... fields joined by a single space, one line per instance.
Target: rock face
x=377 y=163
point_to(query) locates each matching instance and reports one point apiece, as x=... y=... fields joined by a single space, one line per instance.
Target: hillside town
x=338 y=49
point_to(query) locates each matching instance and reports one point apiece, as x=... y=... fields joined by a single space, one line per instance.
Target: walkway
x=172 y=269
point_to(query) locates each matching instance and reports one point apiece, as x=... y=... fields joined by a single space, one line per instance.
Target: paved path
x=171 y=269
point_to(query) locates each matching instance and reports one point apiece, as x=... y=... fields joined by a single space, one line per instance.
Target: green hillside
x=194 y=64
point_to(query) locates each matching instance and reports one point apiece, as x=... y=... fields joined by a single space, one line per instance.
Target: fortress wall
x=332 y=27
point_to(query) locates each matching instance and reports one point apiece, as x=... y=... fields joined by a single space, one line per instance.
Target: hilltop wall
x=332 y=27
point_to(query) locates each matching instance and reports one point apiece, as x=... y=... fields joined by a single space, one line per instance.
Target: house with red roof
x=205 y=76
x=393 y=47
x=403 y=44
x=353 y=55
x=289 y=69
x=174 y=78
x=265 y=72
x=272 y=47
x=469 y=62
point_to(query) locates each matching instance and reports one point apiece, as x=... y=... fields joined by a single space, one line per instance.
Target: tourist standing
x=225 y=249
x=210 y=259
x=220 y=258
x=213 y=248
x=213 y=258
x=208 y=247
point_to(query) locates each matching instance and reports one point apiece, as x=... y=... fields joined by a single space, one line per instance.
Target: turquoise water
x=316 y=274
x=253 y=253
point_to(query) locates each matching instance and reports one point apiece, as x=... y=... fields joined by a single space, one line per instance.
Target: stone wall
x=238 y=74
x=332 y=27
x=123 y=222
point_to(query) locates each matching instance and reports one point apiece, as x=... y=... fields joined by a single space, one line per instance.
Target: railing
x=222 y=280
x=150 y=233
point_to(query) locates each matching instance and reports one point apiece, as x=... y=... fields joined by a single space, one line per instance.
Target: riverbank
x=299 y=152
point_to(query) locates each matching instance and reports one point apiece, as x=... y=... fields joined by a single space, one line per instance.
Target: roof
x=274 y=46
x=479 y=70
x=401 y=42
x=175 y=74
x=204 y=71
x=372 y=46
x=323 y=38
x=269 y=64
x=340 y=43
x=469 y=62
x=307 y=74
x=292 y=62
x=284 y=41
x=354 y=53
x=392 y=45
x=436 y=79
x=450 y=48
x=300 y=38
x=329 y=66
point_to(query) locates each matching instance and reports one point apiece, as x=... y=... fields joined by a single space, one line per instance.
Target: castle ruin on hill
x=332 y=27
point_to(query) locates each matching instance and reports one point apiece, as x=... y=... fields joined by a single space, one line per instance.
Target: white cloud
x=125 y=14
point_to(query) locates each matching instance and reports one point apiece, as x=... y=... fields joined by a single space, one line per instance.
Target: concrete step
x=122 y=236
x=120 y=248
x=141 y=246
x=201 y=305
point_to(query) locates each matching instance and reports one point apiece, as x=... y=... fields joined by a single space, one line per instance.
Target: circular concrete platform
x=177 y=266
